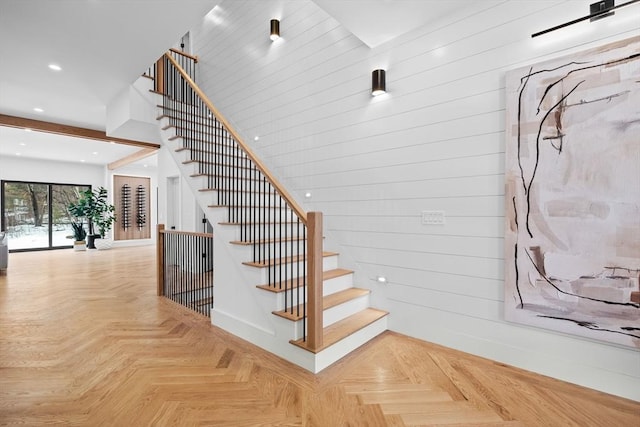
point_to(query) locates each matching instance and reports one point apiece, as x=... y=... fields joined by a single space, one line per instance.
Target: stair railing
x=286 y=240
x=185 y=268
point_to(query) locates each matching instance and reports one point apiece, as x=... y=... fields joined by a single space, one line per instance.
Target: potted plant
x=104 y=220
x=93 y=205
x=79 y=235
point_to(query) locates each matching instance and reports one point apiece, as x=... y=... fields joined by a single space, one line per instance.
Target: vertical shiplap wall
x=434 y=142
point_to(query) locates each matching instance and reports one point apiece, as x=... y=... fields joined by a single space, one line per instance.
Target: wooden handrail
x=186 y=233
x=272 y=179
x=179 y=52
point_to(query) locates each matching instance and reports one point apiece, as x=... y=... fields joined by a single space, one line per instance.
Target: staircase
x=274 y=284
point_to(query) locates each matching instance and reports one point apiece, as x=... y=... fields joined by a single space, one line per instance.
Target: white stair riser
x=337 y=284
x=292 y=270
x=344 y=310
x=349 y=344
x=239 y=235
x=195 y=116
x=195 y=120
x=335 y=314
x=261 y=216
x=252 y=203
x=209 y=152
x=279 y=250
x=329 y=286
x=226 y=176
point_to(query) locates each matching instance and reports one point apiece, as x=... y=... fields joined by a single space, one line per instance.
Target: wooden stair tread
x=191 y=105
x=166 y=108
x=266 y=241
x=249 y=168
x=198 y=150
x=328 y=301
x=242 y=156
x=200 y=124
x=207 y=141
x=204 y=119
x=228 y=143
x=256 y=223
x=278 y=261
x=282 y=208
x=204 y=301
x=343 y=328
x=223 y=177
x=210 y=162
x=286 y=285
x=226 y=190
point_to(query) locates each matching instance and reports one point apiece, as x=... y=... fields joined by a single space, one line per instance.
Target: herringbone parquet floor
x=84 y=341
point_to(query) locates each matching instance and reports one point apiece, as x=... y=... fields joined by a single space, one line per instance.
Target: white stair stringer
x=246 y=311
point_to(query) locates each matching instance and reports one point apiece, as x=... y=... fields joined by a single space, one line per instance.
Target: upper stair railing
x=286 y=240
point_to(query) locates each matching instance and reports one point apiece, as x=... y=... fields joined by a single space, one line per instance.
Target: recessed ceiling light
x=17 y=154
x=95 y=153
x=82 y=160
x=55 y=67
x=145 y=165
x=38 y=110
x=255 y=138
x=27 y=129
x=22 y=144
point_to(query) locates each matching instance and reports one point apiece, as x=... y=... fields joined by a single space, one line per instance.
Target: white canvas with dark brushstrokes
x=572 y=238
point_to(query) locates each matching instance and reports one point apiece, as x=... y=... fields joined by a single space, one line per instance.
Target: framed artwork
x=572 y=188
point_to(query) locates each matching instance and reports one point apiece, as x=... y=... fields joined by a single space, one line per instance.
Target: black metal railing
x=185 y=269
x=156 y=72
x=268 y=217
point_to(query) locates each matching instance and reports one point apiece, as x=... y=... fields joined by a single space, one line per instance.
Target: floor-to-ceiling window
x=35 y=214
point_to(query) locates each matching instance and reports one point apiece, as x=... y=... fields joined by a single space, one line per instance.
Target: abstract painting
x=572 y=188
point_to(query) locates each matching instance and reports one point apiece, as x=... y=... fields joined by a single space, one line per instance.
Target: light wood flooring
x=84 y=341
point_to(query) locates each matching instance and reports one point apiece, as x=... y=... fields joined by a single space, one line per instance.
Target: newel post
x=314 y=280
x=159 y=77
x=160 y=259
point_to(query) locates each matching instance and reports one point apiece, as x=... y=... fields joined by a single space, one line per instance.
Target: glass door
x=61 y=196
x=25 y=214
x=35 y=215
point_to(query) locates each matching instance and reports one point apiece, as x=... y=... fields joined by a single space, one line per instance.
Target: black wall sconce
x=378 y=82
x=598 y=10
x=275 y=30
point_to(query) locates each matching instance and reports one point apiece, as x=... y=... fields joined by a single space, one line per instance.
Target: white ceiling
x=20 y=143
x=379 y=21
x=104 y=45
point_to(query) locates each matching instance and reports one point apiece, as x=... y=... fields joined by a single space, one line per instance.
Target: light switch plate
x=433 y=218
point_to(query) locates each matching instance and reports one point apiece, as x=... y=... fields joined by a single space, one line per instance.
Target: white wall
x=38 y=170
x=190 y=214
x=434 y=142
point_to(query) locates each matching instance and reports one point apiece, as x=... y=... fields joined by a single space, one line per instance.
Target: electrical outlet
x=433 y=218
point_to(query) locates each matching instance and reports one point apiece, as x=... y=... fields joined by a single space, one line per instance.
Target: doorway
x=173 y=202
